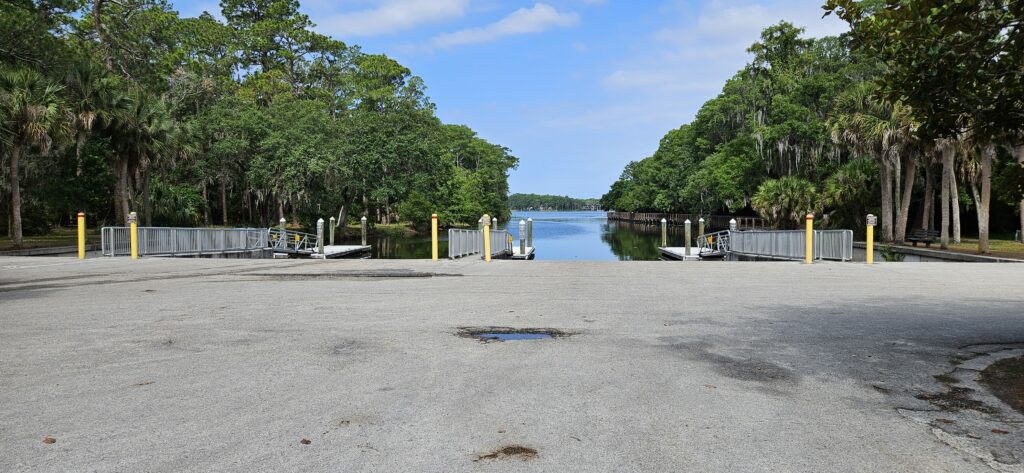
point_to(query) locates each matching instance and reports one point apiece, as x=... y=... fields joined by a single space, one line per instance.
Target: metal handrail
x=292 y=241
x=716 y=243
x=172 y=241
x=462 y=243
x=791 y=244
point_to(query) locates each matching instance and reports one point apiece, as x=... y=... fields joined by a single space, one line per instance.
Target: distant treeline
x=550 y=202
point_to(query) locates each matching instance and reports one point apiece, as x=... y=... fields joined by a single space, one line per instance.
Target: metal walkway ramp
x=836 y=245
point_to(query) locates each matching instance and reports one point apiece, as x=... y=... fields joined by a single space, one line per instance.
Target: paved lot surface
x=228 y=365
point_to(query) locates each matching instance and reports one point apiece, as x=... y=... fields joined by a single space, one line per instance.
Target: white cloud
x=523 y=21
x=390 y=16
x=698 y=53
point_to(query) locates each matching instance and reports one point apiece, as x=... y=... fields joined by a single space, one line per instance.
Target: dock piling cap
x=664 y=221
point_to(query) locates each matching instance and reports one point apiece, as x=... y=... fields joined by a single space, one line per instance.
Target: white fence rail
x=167 y=241
x=791 y=244
x=462 y=243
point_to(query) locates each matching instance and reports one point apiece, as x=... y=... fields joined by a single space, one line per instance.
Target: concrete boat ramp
x=181 y=364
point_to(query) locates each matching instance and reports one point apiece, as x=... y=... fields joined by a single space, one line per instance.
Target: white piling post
x=284 y=234
x=494 y=223
x=687 y=223
x=522 y=237
x=362 y=224
x=664 y=233
x=332 y=230
x=320 y=236
x=732 y=225
x=529 y=232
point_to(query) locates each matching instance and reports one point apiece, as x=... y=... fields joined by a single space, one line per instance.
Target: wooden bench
x=923 y=236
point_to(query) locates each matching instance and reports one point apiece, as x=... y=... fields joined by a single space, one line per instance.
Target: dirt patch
x=499 y=334
x=1005 y=378
x=511 y=452
x=956 y=399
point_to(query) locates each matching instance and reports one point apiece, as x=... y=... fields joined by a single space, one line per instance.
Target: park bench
x=923 y=236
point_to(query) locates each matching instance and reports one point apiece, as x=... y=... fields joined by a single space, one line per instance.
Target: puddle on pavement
x=506 y=334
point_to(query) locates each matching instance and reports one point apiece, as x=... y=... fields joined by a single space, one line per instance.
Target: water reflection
x=557 y=236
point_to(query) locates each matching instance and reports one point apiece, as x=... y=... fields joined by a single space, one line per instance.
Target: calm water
x=557 y=236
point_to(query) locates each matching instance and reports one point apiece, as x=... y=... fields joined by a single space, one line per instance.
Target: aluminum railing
x=713 y=244
x=791 y=244
x=167 y=241
x=462 y=243
x=290 y=241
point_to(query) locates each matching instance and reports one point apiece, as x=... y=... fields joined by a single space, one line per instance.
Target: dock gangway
x=833 y=245
x=173 y=241
x=463 y=243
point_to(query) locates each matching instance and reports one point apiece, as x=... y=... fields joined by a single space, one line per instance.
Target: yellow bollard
x=809 y=251
x=81 y=235
x=433 y=237
x=487 y=242
x=134 y=232
x=871 y=239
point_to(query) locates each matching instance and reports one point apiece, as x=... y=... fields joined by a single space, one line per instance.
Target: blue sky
x=575 y=88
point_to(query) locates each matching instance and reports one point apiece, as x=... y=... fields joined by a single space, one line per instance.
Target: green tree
x=785 y=201
x=34 y=118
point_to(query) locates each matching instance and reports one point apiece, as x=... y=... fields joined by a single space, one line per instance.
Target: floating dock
x=340 y=251
x=679 y=253
x=528 y=255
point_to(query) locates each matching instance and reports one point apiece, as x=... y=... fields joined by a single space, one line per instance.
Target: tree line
x=550 y=202
x=914 y=115
x=112 y=107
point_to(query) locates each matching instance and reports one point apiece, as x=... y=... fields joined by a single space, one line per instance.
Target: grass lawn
x=1002 y=248
x=57 y=237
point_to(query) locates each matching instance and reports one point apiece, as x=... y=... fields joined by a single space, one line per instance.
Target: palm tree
x=864 y=123
x=785 y=201
x=978 y=171
x=140 y=136
x=95 y=101
x=34 y=116
x=904 y=149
